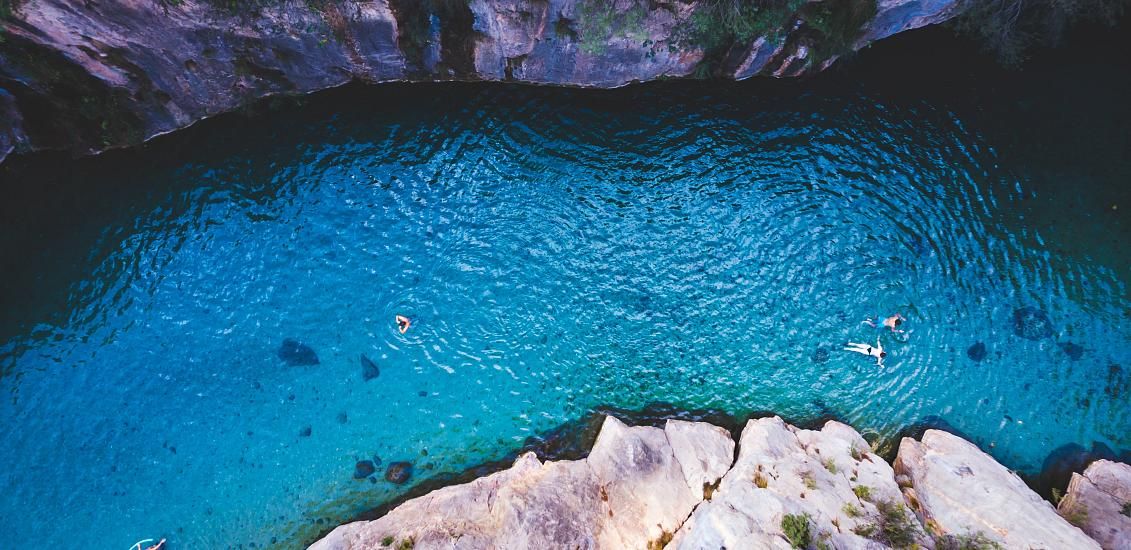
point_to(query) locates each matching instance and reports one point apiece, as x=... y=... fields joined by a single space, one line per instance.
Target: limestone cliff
x=87 y=76
x=681 y=486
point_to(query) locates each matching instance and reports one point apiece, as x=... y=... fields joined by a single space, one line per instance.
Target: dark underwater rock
x=1065 y=460
x=363 y=469
x=1031 y=323
x=398 y=472
x=820 y=355
x=1073 y=351
x=297 y=354
x=369 y=369
x=1118 y=382
x=305 y=431
x=977 y=352
x=890 y=446
x=342 y=417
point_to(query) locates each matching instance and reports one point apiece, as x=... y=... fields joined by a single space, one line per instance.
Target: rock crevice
x=88 y=76
x=681 y=486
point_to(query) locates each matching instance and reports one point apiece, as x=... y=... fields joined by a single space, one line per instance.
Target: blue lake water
x=556 y=250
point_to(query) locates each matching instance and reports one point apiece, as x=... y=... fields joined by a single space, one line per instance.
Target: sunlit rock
x=828 y=479
x=959 y=490
x=636 y=487
x=1099 y=503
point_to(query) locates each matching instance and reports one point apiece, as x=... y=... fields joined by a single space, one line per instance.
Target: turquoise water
x=557 y=250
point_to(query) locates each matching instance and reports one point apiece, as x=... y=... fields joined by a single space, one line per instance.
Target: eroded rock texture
x=637 y=486
x=1099 y=502
x=676 y=487
x=87 y=76
x=959 y=490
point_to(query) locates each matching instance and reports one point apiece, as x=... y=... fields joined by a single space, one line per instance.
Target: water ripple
x=554 y=253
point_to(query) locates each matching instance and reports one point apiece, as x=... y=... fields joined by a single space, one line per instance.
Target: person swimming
x=403 y=323
x=876 y=351
x=158 y=546
x=892 y=322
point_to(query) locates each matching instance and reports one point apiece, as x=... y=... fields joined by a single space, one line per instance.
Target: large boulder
x=958 y=490
x=829 y=480
x=1099 y=502
x=636 y=488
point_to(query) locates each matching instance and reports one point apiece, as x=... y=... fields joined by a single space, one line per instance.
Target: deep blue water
x=557 y=250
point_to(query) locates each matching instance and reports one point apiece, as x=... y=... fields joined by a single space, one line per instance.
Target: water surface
x=704 y=245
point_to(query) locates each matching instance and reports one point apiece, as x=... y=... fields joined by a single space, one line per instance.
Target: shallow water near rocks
x=708 y=246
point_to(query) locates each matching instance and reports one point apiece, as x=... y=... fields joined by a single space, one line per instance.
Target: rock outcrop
x=635 y=488
x=646 y=487
x=87 y=76
x=1099 y=502
x=829 y=478
x=958 y=490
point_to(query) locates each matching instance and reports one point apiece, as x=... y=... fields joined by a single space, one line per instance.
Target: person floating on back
x=158 y=546
x=892 y=322
x=876 y=351
x=403 y=323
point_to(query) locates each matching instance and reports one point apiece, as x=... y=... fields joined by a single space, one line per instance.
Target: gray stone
x=631 y=490
x=118 y=73
x=956 y=489
x=1099 y=502
x=785 y=470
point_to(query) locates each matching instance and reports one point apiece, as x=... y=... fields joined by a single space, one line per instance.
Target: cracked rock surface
x=90 y=76
x=1099 y=501
x=959 y=490
x=681 y=487
x=636 y=485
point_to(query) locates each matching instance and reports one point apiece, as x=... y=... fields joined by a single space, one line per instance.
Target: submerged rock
x=305 y=431
x=363 y=469
x=820 y=355
x=398 y=472
x=1062 y=462
x=1031 y=323
x=1118 y=382
x=1099 y=503
x=297 y=354
x=977 y=352
x=1073 y=351
x=369 y=369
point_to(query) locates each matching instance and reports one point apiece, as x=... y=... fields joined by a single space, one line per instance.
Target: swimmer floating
x=876 y=351
x=403 y=323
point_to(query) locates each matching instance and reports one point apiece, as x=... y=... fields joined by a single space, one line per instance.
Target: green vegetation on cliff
x=7 y=8
x=723 y=22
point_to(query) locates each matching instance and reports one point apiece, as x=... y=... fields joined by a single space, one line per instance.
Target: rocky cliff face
x=682 y=487
x=87 y=76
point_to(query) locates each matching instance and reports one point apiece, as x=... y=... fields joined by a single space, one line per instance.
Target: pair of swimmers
x=877 y=351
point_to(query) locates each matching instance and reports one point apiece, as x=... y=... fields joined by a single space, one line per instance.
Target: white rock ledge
x=645 y=487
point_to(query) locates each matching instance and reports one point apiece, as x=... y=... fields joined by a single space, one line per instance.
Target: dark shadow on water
x=1062 y=462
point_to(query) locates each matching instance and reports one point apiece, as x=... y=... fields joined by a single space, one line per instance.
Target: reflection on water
x=556 y=250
